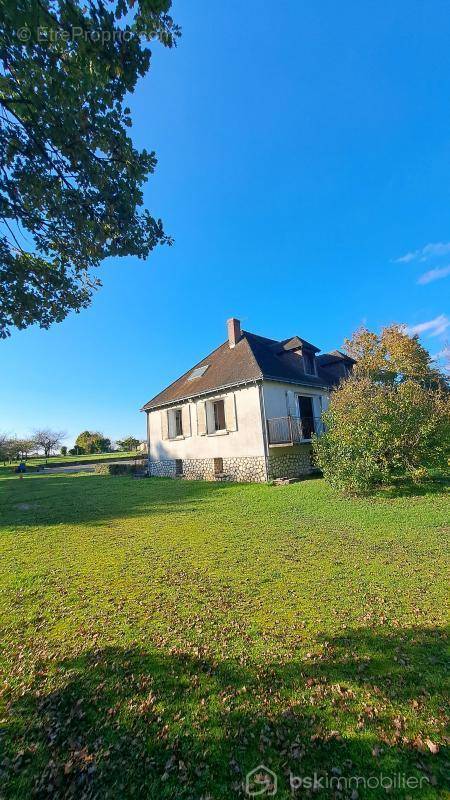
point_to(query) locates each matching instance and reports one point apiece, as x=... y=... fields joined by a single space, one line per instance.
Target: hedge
x=118 y=469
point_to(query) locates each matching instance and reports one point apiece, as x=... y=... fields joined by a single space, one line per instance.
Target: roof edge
x=298 y=383
x=201 y=394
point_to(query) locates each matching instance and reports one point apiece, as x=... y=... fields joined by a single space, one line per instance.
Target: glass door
x=306 y=411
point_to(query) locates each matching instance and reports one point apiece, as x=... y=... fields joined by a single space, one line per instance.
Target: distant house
x=142 y=447
x=246 y=412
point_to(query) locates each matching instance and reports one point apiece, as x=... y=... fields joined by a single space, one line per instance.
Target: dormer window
x=309 y=363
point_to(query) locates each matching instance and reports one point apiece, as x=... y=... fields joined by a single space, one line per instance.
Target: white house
x=246 y=412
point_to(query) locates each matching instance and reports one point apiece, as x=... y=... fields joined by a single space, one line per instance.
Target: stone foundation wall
x=162 y=469
x=250 y=469
x=290 y=465
x=246 y=468
x=198 y=469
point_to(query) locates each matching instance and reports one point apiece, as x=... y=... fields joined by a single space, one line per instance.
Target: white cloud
x=443 y=355
x=434 y=327
x=434 y=274
x=434 y=249
x=406 y=258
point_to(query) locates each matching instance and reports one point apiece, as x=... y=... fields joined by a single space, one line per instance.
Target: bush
x=375 y=432
x=118 y=469
x=101 y=469
x=121 y=469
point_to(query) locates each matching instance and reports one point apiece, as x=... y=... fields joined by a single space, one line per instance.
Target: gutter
x=262 y=408
x=298 y=383
x=148 y=442
x=251 y=382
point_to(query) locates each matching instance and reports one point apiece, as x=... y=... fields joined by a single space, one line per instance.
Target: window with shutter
x=175 y=423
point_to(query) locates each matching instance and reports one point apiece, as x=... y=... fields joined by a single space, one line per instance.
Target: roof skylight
x=198 y=372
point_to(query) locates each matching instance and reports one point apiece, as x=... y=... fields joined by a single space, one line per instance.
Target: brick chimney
x=234 y=331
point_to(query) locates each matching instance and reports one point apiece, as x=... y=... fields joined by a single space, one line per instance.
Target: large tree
x=129 y=443
x=392 y=356
x=4 y=446
x=48 y=440
x=390 y=418
x=25 y=447
x=70 y=176
x=92 y=442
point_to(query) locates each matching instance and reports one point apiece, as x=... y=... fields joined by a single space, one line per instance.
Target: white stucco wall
x=247 y=440
x=276 y=398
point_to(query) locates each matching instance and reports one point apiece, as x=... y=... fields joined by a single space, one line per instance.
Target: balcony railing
x=292 y=430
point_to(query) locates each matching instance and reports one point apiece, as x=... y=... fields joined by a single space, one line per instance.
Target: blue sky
x=304 y=172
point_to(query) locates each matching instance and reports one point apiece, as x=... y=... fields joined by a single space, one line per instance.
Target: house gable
x=248 y=358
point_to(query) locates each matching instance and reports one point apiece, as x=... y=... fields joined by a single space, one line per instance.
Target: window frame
x=212 y=417
x=215 y=403
x=178 y=422
x=309 y=357
x=306 y=420
x=175 y=423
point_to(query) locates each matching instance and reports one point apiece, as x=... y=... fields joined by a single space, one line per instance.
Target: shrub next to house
x=119 y=469
x=391 y=417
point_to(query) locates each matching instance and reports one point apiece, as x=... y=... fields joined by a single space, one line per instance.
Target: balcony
x=287 y=431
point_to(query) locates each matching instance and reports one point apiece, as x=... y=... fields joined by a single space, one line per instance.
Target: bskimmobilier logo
x=261 y=782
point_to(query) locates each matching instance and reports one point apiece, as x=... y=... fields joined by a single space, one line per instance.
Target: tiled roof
x=334 y=357
x=253 y=358
x=279 y=364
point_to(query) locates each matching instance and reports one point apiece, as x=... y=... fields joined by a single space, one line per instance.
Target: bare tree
x=4 y=446
x=24 y=447
x=12 y=448
x=48 y=440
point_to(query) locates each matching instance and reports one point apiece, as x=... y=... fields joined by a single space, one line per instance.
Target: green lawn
x=162 y=638
x=54 y=461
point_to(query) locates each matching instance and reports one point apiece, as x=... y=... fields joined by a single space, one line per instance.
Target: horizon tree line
x=50 y=443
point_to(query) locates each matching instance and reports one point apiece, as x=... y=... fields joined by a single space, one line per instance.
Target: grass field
x=68 y=460
x=162 y=638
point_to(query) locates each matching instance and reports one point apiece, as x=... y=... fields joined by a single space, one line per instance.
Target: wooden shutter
x=164 y=424
x=171 y=423
x=292 y=405
x=210 y=424
x=317 y=406
x=230 y=412
x=325 y=402
x=186 y=418
x=201 y=418
x=317 y=412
